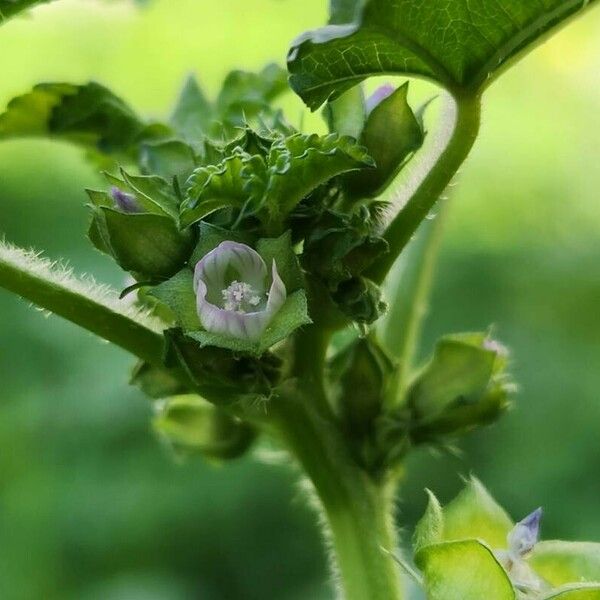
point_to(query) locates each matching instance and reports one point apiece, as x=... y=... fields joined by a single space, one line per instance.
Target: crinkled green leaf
x=575 y=591
x=11 y=8
x=463 y=570
x=300 y=163
x=220 y=186
x=475 y=514
x=561 y=562
x=178 y=294
x=457 y=43
x=168 y=159
x=193 y=112
x=391 y=134
x=89 y=115
x=430 y=528
x=292 y=315
x=147 y=245
x=193 y=425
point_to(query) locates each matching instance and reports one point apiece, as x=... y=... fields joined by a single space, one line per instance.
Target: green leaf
x=89 y=115
x=225 y=185
x=566 y=562
x=575 y=591
x=300 y=163
x=475 y=514
x=192 y=425
x=391 y=134
x=245 y=94
x=281 y=251
x=430 y=529
x=168 y=159
x=11 y=8
x=153 y=193
x=193 y=112
x=455 y=43
x=292 y=315
x=147 y=245
x=463 y=570
x=83 y=302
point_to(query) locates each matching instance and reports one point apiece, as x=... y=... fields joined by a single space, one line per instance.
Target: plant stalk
x=357 y=511
x=430 y=180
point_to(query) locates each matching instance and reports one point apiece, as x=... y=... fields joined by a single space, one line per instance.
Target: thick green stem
x=357 y=510
x=431 y=179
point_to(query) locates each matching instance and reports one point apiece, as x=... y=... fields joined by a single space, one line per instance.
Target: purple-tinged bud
x=231 y=291
x=124 y=201
x=378 y=96
x=525 y=534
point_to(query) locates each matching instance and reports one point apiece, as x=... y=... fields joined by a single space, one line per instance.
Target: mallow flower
x=237 y=293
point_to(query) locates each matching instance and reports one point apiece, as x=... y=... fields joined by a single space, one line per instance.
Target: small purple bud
x=525 y=534
x=123 y=201
x=379 y=95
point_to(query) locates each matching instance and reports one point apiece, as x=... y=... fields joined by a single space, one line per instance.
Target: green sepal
x=155 y=194
x=561 y=562
x=463 y=386
x=475 y=514
x=191 y=425
x=347 y=114
x=300 y=163
x=293 y=314
x=361 y=373
x=430 y=528
x=210 y=236
x=463 y=570
x=177 y=294
x=149 y=246
x=391 y=135
x=156 y=382
x=219 y=375
x=575 y=591
x=360 y=300
x=281 y=251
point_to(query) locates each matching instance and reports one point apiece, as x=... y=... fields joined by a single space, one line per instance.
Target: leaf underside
x=461 y=44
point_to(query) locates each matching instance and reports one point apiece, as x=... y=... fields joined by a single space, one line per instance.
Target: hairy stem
x=357 y=511
x=85 y=303
x=430 y=179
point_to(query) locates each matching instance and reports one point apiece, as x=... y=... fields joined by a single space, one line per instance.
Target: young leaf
x=564 y=562
x=83 y=302
x=457 y=44
x=463 y=570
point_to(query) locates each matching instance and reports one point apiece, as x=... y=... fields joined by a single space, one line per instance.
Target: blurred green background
x=91 y=505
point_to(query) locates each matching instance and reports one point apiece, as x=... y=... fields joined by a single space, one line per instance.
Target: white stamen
x=237 y=294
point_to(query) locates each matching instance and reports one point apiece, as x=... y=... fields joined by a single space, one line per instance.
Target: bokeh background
x=93 y=508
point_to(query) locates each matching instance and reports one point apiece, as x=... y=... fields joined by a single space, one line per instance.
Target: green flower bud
x=360 y=299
